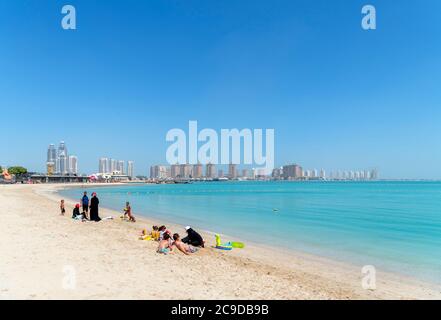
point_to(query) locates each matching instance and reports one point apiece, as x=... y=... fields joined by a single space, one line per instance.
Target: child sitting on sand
x=183 y=247
x=153 y=235
x=62 y=208
x=165 y=246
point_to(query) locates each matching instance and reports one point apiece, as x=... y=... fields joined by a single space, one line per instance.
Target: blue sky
x=338 y=97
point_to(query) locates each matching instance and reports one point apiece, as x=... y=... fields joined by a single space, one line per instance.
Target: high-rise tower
x=62 y=159
x=131 y=169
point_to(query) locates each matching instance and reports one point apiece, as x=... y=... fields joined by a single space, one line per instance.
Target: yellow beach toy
x=220 y=245
x=239 y=245
x=145 y=236
x=228 y=245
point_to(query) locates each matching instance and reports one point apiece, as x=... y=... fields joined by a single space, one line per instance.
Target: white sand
x=39 y=248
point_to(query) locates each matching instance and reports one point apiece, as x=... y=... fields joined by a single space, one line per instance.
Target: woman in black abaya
x=94 y=202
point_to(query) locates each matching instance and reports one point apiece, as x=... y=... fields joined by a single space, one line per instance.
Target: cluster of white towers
x=59 y=161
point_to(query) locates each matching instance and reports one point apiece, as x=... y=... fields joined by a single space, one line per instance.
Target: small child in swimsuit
x=128 y=212
x=62 y=208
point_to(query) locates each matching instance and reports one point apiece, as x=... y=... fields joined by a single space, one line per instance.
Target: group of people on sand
x=90 y=208
x=188 y=245
x=166 y=241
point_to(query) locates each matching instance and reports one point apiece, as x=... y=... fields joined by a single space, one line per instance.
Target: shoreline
x=229 y=236
x=269 y=249
x=253 y=271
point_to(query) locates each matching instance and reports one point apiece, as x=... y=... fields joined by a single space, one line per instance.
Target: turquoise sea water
x=395 y=226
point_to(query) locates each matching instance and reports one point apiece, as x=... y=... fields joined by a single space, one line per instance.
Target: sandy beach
x=48 y=256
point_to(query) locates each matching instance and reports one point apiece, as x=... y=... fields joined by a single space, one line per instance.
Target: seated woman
x=193 y=238
x=76 y=213
x=183 y=247
x=165 y=246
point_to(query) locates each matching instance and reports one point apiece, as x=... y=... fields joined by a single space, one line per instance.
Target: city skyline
x=336 y=95
x=59 y=161
x=286 y=172
x=110 y=166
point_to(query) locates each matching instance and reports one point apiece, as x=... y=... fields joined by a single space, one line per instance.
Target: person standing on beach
x=85 y=203
x=94 y=203
x=128 y=212
x=62 y=208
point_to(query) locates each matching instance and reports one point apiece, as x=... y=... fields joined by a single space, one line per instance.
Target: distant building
x=197 y=171
x=131 y=169
x=259 y=173
x=175 y=171
x=245 y=173
x=232 y=171
x=51 y=154
x=277 y=173
x=109 y=165
x=367 y=175
x=73 y=165
x=293 y=171
x=62 y=162
x=374 y=174
x=210 y=171
x=50 y=168
x=220 y=173
x=186 y=171
x=120 y=166
x=52 y=158
x=102 y=167
x=113 y=165
x=322 y=174
x=158 y=172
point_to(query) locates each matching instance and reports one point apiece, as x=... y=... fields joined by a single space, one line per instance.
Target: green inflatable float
x=228 y=245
